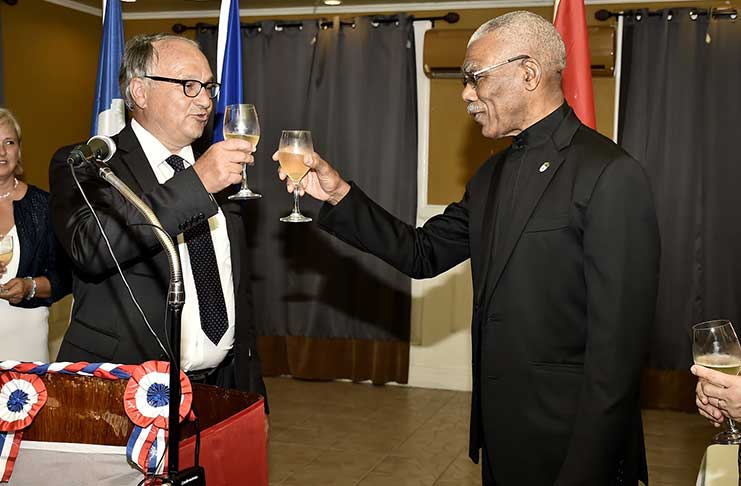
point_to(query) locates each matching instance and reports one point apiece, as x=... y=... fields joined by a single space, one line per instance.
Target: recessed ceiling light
x=333 y=2
x=128 y=1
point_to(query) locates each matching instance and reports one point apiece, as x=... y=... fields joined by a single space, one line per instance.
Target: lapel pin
x=544 y=167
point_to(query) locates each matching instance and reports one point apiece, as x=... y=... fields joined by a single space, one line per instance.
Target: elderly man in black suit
x=169 y=89
x=564 y=247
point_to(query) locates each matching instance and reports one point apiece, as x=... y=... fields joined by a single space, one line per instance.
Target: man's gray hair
x=533 y=32
x=139 y=57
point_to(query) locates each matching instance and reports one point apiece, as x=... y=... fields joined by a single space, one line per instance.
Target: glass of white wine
x=715 y=346
x=293 y=146
x=6 y=249
x=240 y=121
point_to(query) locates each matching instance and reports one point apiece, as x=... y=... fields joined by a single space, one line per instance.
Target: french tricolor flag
x=228 y=63
x=109 y=109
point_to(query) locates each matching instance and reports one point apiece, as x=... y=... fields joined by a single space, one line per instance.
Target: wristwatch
x=31 y=293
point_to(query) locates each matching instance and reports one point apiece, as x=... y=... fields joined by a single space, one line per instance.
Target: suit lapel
x=133 y=160
x=553 y=152
x=487 y=223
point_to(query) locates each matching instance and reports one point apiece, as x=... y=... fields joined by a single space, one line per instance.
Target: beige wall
x=50 y=62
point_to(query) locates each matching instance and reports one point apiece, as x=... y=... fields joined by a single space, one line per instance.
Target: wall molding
x=324 y=10
x=80 y=7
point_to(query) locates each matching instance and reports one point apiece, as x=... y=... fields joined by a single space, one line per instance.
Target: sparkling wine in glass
x=240 y=121
x=293 y=146
x=6 y=249
x=715 y=346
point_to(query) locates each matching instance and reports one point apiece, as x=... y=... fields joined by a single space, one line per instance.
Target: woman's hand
x=15 y=289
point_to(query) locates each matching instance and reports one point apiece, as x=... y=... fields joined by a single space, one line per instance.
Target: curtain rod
x=450 y=17
x=729 y=13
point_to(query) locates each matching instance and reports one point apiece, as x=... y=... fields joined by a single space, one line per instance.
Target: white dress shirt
x=197 y=352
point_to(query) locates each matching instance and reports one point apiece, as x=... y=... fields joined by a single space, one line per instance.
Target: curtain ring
x=639 y=16
x=375 y=24
x=669 y=16
x=278 y=28
x=353 y=25
x=693 y=15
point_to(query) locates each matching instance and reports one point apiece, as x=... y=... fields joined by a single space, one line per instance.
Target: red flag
x=571 y=22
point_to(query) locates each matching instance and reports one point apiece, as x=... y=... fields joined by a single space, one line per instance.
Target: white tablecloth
x=719 y=466
x=72 y=464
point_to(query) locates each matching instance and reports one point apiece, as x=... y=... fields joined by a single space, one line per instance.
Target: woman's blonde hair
x=7 y=118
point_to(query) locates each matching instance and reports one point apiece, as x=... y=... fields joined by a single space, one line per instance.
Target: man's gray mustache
x=474 y=108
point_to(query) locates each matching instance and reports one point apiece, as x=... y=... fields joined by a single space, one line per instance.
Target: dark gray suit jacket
x=561 y=314
x=105 y=324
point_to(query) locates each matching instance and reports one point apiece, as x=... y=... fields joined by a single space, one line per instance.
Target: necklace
x=7 y=194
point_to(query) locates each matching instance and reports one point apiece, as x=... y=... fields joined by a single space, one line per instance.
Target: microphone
x=98 y=149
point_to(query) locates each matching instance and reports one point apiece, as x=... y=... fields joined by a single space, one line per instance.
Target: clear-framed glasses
x=474 y=77
x=191 y=87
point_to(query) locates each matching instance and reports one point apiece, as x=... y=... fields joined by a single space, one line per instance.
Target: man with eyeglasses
x=563 y=241
x=169 y=91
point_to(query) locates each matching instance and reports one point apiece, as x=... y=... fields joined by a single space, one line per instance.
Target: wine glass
x=715 y=346
x=6 y=254
x=240 y=121
x=293 y=146
x=6 y=249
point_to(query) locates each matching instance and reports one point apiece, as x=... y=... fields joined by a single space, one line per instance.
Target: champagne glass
x=6 y=249
x=240 y=121
x=715 y=346
x=293 y=146
x=6 y=254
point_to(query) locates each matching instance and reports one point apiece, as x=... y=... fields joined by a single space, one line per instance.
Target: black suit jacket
x=105 y=325
x=561 y=313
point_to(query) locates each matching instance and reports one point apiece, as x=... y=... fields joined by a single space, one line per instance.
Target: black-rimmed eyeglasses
x=191 y=87
x=474 y=77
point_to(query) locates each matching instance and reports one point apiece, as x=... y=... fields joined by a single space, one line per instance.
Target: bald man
x=169 y=90
x=564 y=247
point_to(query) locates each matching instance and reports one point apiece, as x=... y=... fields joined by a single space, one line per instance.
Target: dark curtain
x=680 y=115
x=326 y=310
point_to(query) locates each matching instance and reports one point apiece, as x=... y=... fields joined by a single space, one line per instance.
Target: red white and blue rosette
x=146 y=401
x=21 y=397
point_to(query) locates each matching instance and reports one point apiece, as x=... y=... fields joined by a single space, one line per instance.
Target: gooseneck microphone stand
x=175 y=301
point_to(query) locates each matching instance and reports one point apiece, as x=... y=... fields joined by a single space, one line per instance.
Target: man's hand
x=221 y=165
x=322 y=182
x=718 y=395
x=15 y=289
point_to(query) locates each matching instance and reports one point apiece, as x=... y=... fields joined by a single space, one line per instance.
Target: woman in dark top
x=33 y=275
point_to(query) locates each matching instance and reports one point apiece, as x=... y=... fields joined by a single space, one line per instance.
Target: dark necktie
x=211 y=306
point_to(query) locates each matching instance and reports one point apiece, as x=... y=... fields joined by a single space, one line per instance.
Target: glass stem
x=295 y=199
x=732 y=426
x=244 y=177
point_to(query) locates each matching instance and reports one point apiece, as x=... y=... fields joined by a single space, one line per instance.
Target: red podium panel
x=233 y=451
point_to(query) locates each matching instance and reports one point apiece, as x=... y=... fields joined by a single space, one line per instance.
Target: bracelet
x=31 y=293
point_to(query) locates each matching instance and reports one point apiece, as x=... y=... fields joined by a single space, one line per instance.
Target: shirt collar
x=157 y=153
x=542 y=130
